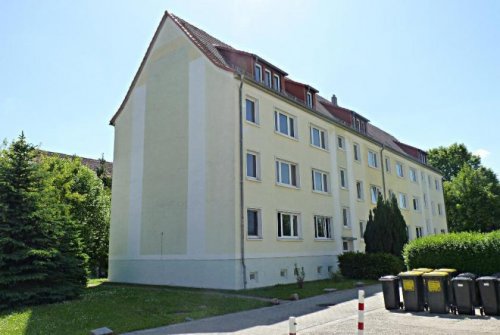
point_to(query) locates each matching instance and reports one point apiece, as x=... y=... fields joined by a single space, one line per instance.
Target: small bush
x=369 y=266
x=478 y=253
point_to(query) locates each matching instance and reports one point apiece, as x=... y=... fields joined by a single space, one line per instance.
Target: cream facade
x=185 y=187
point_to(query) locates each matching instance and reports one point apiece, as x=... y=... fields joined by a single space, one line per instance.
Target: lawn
x=310 y=289
x=121 y=308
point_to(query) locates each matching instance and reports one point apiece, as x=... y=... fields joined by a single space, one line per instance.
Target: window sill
x=344 y=188
x=360 y=200
x=316 y=239
x=328 y=194
x=373 y=167
x=290 y=239
x=288 y=186
x=286 y=136
x=255 y=124
x=254 y=238
x=358 y=161
x=255 y=180
x=319 y=148
x=347 y=227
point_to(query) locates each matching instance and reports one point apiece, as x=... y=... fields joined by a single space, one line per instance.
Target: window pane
x=253 y=224
x=250 y=111
x=285 y=173
x=276 y=121
x=323 y=142
x=325 y=183
x=292 y=127
x=251 y=166
x=287 y=226
x=295 y=225
x=316 y=137
x=320 y=227
x=283 y=124
x=317 y=181
x=328 y=228
x=279 y=225
x=294 y=175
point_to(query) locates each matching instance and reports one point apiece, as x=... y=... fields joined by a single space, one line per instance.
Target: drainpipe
x=242 y=208
x=382 y=161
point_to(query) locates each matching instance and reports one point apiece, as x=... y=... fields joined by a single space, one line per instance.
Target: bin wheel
x=401 y=306
x=481 y=310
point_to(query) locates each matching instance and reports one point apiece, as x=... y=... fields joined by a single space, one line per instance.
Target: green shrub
x=478 y=253
x=369 y=266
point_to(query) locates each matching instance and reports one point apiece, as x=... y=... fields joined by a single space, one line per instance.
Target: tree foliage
x=89 y=205
x=386 y=228
x=450 y=160
x=471 y=191
x=41 y=258
x=472 y=200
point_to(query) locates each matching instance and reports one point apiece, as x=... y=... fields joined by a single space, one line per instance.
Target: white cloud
x=483 y=153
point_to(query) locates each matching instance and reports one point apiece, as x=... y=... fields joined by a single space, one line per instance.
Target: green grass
x=310 y=289
x=121 y=308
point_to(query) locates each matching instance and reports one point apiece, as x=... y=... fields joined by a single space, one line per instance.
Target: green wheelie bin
x=437 y=291
x=413 y=290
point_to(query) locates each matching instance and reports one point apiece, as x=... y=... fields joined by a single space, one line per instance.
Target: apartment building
x=227 y=172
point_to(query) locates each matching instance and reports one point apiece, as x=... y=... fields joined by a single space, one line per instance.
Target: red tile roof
x=210 y=46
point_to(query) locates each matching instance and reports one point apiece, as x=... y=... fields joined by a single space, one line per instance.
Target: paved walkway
x=333 y=313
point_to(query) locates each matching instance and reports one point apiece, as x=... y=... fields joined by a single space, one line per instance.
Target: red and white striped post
x=361 y=311
x=292 y=329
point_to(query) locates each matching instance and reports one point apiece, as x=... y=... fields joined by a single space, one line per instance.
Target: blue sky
x=428 y=72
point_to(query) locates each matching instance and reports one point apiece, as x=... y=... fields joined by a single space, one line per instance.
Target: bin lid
x=436 y=274
x=388 y=278
x=468 y=275
x=424 y=269
x=411 y=273
x=487 y=278
x=447 y=270
x=462 y=279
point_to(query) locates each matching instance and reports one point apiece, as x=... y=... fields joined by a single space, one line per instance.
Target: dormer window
x=277 y=83
x=258 y=73
x=309 y=100
x=267 y=78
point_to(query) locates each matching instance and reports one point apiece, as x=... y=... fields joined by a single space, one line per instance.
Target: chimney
x=334 y=99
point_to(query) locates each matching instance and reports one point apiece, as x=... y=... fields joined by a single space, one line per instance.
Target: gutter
x=242 y=197
x=383 y=169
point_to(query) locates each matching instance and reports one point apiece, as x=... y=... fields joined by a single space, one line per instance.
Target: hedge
x=478 y=253
x=369 y=266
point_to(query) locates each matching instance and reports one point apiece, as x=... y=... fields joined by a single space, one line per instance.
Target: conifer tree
x=386 y=229
x=40 y=260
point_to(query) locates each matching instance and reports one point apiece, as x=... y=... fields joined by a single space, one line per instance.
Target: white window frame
x=356 y=152
x=374 y=193
x=324 y=187
x=340 y=142
x=403 y=201
x=277 y=79
x=291 y=126
x=440 y=209
x=295 y=233
x=400 y=172
x=259 y=80
x=268 y=74
x=346 y=243
x=257 y=165
x=416 y=201
x=255 y=110
x=387 y=164
x=323 y=141
x=436 y=183
x=362 y=228
x=373 y=163
x=259 y=224
x=360 y=192
x=419 y=232
x=346 y=217
x=327 y=227
x=412 y=173
x=345 y=184
x=309 y=100
x=279 y=177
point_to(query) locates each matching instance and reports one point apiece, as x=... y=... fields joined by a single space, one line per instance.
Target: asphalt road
x=334 y=313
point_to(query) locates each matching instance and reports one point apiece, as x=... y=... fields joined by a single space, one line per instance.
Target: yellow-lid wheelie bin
x=425 y=270
x=437 y=291
x=413 y=290
x=451 y=274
